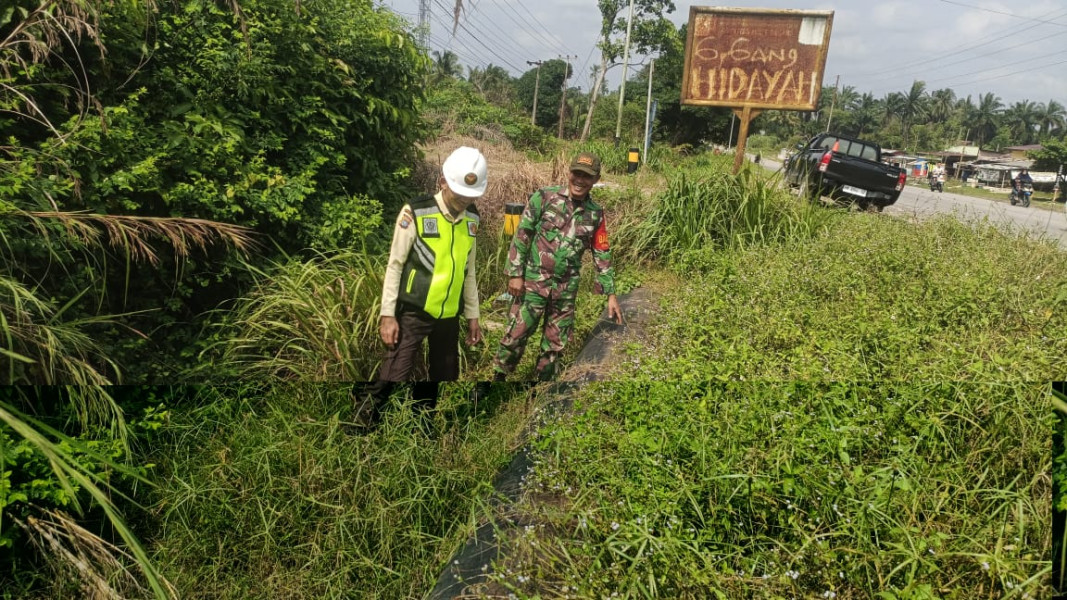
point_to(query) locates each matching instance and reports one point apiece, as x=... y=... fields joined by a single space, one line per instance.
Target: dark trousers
x=416 y=326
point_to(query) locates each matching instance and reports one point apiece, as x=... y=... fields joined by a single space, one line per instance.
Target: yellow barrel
x=512 y=212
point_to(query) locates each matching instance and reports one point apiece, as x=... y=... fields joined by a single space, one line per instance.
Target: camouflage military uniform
x=553 y=234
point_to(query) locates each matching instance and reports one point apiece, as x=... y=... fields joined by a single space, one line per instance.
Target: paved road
x=920 y=202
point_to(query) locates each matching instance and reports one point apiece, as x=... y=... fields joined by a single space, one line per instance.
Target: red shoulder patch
x=600 y=237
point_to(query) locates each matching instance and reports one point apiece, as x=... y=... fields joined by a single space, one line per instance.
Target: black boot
x=367 y=404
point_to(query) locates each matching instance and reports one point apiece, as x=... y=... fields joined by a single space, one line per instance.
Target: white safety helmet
x=465 y=172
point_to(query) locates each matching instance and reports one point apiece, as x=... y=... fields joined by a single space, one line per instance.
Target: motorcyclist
x=1023 y=178
x=937 y=177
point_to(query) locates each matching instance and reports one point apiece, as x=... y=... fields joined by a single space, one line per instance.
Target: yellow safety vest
x=432 y=279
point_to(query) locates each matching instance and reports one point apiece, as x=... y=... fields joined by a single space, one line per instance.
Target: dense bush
x=298 y=121
x=455 y=107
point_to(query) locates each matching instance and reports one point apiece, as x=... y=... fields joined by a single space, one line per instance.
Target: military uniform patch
x=472 y=228
x=600 y=238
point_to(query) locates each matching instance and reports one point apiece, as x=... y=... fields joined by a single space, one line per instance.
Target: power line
x=983 y=44
x=461 y=53
x=983 y=79
x=556 y=42
x=1007 y=14
x=480 y=42
x=491 y=31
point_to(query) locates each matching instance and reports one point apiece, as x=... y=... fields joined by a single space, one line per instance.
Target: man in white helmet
x=430 y=280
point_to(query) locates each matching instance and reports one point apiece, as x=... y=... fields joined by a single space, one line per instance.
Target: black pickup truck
x=845 y=168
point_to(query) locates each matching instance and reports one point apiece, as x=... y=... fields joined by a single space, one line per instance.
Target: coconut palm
x=445 y=66
x=985 y=116
x=912 y=106
x=865 y=114
x=892 y=106
x=942 y=105
x=1051 y=116
x=1022 y=118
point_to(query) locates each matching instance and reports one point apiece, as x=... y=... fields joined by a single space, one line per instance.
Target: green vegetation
x=264 y=493
x=207 y=196
x=1059 y=487
x=872 y=299
x=709 y=210
x=674 y=490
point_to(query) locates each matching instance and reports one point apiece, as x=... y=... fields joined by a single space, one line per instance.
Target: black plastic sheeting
x=472 y=563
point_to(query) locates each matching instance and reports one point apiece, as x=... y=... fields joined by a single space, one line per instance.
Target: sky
x=1017 y=50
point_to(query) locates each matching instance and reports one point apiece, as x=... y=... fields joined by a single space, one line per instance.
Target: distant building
x=1019 y=152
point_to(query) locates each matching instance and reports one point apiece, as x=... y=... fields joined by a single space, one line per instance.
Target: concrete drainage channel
x=471 y=565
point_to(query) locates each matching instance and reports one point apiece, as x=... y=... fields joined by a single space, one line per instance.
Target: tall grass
x=718 y=210
x=263 y=494
x=876 y=299
x=308 y=320
x=842 y=491
x=82 y=558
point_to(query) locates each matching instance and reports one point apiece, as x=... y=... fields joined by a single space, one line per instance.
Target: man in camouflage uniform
x=557 y=226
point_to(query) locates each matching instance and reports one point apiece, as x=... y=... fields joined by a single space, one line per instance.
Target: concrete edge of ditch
x=472 y=563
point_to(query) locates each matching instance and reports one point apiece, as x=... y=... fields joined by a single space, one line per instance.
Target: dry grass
x=100 y=569
x=132 y=234
x=512 y=176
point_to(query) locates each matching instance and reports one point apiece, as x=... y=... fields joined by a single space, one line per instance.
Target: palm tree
x=892 y=106
x=865 y=114
x=445 y=66
x=1022 y=119
x=942 y=105
x=985 y=117
x=1051 y=116
x=913 y=106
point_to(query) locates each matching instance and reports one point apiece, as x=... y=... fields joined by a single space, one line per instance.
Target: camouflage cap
x=588 y=163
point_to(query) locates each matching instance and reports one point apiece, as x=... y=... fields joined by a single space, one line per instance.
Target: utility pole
x=537 y=84
x=833 y=101
x=563 y=96
x=578 y=112
x=648 y=109
x=625 y=64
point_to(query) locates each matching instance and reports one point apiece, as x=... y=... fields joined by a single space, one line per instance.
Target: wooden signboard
x=753 y=59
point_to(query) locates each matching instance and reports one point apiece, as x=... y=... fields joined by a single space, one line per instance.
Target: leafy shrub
x=455 y=107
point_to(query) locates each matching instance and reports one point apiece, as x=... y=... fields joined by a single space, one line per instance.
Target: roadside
x=1043 y=218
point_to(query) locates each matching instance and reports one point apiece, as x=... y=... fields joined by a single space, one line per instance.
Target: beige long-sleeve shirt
x=403 y=240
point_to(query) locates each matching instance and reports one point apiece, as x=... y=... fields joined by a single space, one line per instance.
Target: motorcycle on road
x=1020 y=194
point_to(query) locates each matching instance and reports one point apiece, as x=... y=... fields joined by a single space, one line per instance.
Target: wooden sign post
x=755 y=59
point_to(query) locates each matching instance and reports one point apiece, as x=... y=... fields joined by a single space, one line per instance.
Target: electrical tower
x=424 y=23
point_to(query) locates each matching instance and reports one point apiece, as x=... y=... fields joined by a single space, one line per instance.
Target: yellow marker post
x=512 y=212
